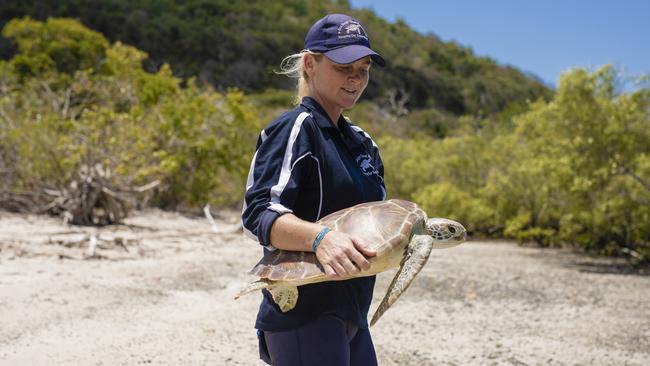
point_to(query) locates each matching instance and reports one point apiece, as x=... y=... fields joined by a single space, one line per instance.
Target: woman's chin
x=347 y=102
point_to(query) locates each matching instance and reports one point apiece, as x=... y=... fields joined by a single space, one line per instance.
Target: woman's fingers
x=340 y=255
x=329 y=271
x=344 y=268
x=360 y=261
x=363 y=248
x=350 y=268
x=338 y=269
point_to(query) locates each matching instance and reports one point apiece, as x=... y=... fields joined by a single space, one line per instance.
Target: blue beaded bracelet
x=318 y=239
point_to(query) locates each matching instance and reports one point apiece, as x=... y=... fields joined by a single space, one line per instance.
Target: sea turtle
x=397 y=230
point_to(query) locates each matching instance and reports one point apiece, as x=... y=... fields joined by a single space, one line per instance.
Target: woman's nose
x=355 y=77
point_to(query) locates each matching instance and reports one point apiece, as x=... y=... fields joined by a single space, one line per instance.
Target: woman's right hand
x=343 y=255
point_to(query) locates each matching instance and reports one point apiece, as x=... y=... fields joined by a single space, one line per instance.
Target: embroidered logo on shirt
x=365 y=164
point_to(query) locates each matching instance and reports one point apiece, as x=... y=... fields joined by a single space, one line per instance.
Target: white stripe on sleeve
x=285 y=172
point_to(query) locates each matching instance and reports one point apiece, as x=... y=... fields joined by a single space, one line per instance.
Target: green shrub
x=447 y=200
x=105 y=109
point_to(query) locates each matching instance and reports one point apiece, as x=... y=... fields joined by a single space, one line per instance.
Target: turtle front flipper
x=285 y=296
x=417 y=254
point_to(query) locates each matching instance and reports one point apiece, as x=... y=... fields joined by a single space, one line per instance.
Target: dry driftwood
x=92 y=199
x=216 y=229
x=89 y=199
x=16 y=202
x=92 y=243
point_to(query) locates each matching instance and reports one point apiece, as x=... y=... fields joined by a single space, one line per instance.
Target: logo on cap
x=351 y=29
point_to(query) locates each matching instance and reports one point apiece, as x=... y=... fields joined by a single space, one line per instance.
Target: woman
x=309 y=163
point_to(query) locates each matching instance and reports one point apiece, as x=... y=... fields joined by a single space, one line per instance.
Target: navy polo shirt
x=303 y=164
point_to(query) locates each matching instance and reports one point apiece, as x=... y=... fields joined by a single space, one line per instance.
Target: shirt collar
x=323 y=121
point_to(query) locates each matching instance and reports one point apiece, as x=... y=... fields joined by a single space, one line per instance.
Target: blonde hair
x=293 y=67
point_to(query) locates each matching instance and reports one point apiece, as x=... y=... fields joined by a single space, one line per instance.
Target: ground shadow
x=620 y=267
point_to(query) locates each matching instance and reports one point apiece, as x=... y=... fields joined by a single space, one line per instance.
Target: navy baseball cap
x=342 y=39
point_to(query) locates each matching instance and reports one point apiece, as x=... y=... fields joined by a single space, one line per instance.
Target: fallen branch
x=147 y=187
x=92 y=244
x=219 y=231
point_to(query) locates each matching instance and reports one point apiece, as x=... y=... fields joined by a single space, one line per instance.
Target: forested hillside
x=239 y=44
x=87 y=124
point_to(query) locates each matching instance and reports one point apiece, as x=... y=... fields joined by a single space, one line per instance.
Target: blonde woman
x=310 y=162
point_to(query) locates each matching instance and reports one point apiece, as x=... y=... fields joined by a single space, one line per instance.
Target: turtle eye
x=451 y=229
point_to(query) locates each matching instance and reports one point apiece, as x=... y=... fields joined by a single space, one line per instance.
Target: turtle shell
x=382 y=225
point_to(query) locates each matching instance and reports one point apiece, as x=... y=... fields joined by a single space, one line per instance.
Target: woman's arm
x=340 y=254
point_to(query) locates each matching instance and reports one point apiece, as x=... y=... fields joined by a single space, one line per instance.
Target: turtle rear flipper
x=256 y=285
x=285 y=296
x=417 y=254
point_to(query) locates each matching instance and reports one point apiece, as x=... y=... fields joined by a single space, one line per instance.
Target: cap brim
x=349 y=54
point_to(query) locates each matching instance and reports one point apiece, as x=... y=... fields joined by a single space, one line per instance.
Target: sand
x=164 y=296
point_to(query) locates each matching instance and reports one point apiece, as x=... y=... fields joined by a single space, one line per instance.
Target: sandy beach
x=159 y=291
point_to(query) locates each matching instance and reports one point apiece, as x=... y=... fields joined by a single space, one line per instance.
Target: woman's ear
x=309 y=65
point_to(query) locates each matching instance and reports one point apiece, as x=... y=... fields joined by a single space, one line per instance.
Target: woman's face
x=337 y=86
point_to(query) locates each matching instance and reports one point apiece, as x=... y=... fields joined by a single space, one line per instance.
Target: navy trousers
x=327 y=341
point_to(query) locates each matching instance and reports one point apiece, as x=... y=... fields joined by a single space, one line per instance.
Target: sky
x=544 y=38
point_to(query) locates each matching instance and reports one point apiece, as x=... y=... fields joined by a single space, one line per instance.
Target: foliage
x=447 y=200
x=570 y=171
x=139 y=126
x=240 y=43
x=573 y=169
x=62 y=45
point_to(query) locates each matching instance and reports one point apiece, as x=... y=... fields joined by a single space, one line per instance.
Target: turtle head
x=445 y=233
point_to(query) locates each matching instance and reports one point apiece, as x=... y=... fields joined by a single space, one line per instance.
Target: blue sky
x=541 y=37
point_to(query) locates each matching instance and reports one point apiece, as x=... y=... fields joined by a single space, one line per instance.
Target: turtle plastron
x=416 y=256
